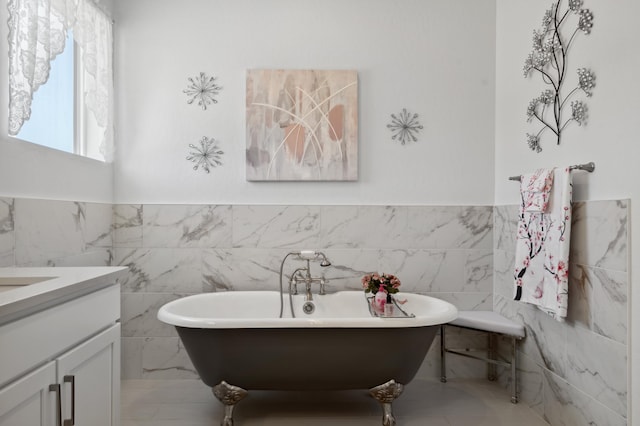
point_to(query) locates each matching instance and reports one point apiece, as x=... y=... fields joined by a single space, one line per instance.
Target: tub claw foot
x=229 y=395
x=385 y=394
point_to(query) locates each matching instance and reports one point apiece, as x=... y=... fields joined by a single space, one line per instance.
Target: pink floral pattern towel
x=542 y=250
x=536 y=189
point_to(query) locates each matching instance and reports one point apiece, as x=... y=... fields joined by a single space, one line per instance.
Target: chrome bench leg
x=443 y=351
x=492 y=371
x=514 y=367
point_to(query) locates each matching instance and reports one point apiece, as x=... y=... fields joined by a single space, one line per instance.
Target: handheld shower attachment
x=313 y=255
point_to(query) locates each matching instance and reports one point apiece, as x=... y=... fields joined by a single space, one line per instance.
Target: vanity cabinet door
x=90 y=378
x=31 y=400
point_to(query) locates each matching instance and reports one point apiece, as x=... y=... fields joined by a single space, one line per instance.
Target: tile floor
x=425 y=402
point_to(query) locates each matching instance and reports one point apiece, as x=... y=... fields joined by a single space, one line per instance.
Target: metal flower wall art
x=206 y=154
x=203 y=90
x=548 y=58
x=404 y=127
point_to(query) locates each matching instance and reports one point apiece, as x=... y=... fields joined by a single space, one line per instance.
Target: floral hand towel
x=542 y=250
x=536 y=188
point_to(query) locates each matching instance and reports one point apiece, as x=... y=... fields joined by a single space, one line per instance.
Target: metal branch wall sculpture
x=549 y=59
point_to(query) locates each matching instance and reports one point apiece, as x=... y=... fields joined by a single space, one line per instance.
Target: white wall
x=432 y=57
x=32 y=171
x=610 y=137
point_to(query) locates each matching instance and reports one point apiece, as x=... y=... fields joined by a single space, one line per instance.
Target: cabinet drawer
x=33 y=340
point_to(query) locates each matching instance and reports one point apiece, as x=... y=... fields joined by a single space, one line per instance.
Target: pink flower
x=386 y=283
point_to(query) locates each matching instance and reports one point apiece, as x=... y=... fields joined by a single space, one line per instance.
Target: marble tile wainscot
x=176 y=250
x=575 y=372
x=55 y=233
x=462 y=254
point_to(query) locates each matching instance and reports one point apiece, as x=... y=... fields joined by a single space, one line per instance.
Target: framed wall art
x=302 y=125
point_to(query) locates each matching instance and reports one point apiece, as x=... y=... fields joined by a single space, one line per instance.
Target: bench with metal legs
x=494 y=325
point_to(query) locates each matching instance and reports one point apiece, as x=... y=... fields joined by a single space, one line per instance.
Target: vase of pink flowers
x=381 y=286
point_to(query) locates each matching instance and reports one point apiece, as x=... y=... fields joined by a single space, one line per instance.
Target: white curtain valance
x=37 y=34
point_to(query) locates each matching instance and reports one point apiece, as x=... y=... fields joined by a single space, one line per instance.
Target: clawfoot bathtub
x=237 y=342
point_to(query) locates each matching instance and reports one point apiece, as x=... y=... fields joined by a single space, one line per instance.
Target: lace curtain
x=37 y=34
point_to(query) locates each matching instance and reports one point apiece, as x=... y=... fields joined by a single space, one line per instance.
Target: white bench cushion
x=488 y=321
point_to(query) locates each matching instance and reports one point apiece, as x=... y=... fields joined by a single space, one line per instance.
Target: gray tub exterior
x=307 y=358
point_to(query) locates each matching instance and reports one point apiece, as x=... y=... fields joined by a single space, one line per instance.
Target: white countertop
x=50 y=286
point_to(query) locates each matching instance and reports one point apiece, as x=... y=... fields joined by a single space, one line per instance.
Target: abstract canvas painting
x=302 y=125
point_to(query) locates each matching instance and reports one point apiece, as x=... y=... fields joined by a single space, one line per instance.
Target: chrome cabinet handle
x=72 y=420
x=56 y=388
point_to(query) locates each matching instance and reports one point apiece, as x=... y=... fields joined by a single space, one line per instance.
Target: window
x=61 y=76
x=52 y=108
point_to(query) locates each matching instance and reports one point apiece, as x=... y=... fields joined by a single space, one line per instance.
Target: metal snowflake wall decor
x=206 y=154
x=202 y=89
x=549 y=59
x=404 y=127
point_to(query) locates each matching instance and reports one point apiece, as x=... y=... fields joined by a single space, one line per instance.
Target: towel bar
x=587 y=167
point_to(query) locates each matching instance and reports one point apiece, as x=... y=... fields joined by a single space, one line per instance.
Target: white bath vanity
x=60 y=346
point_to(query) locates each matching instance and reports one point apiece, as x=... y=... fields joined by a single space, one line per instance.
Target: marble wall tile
x=467 y=301
x=598 y=367
x=503 y=267
x=166 y=358
x=545 y=341
x=598 y=300
x=161 y=270
x=363 y=226
x=98 y=218
x=136 y=278
x=139 y=314
x=599 y=234
x=566 y=405
x=7 y=231
x=419 y=270
x=530 y=383
x=186 y=226
x=91 y=257
x=425 y=271
x=276 y=226
x=127 y=225
x=505 y=225
x=131 y=357
x=478 y=271
x=46 y=230
x=450 y=227
x=243 y=269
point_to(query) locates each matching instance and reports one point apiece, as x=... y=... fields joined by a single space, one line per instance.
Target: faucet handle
x=323 y=281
